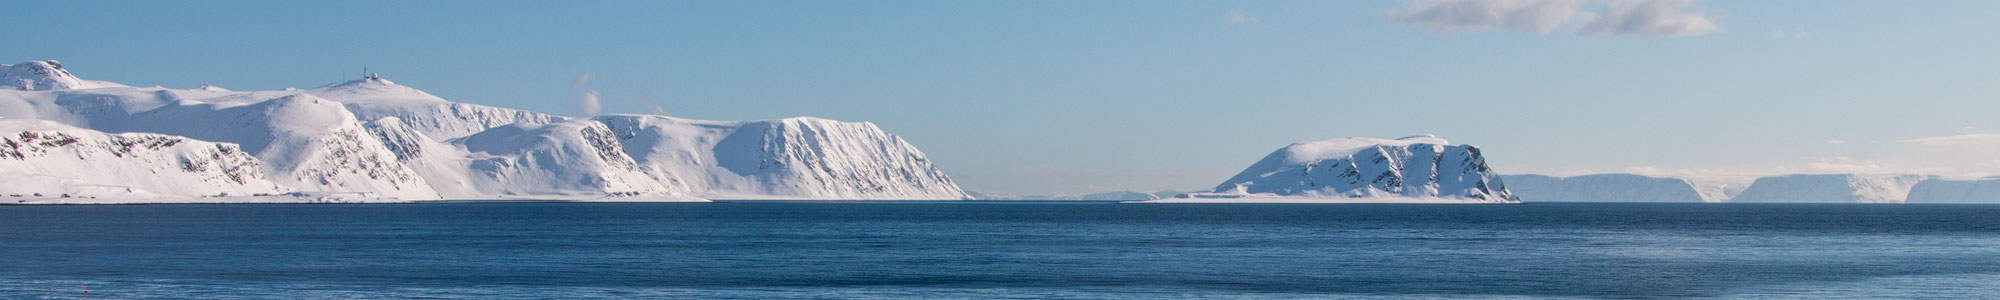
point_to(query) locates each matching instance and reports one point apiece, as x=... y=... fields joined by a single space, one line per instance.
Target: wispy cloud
x=1618 y=17
x=1237 y=17
x=1957 y=140
x=586 y=99
x=1539 y=16
x=1650 y=18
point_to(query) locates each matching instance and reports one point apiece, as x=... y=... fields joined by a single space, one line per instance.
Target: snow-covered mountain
x=1834 y=188
x=800 y=157
x=1422 y=167
x=49 y=159
x=1938 y=190
x=1603 y=188
x=42 y=76
x=376 y=138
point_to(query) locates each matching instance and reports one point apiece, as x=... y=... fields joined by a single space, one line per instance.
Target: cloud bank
x=1616 y=17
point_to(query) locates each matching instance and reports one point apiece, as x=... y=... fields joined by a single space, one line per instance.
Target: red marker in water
x=86 y=289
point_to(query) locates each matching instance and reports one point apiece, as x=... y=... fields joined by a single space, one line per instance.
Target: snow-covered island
x=1416 y=169
x=69 y=140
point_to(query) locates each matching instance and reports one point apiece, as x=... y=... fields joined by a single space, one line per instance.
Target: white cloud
x=1237 y=17
x=1620 y=17
x=1836 y=142
x=1977 y=139
x=1650 y=18
x=588 y=103
x=586 y=78
x=1539 y=16
x=586 y=99
x=654 y=108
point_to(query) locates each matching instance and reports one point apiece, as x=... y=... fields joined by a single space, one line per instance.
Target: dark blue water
x=761 y=250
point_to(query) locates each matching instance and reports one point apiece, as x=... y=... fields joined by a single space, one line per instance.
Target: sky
x=1044 y=97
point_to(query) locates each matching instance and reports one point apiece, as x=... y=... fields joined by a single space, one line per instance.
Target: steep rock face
x=1831 y=188
x=795 y=157
x=49 y=158
x=1417 y=166
x=1982 y=190
x=1602 y=188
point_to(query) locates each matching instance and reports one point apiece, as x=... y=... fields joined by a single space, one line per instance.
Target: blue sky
x=1080 y=96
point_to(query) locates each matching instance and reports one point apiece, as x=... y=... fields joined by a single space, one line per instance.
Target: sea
x=998 y=250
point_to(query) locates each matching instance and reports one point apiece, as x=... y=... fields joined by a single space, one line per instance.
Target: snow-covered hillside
x=1602 y=188
x=377 y=138
x=1982 y=190
x=1834 y=188
x=1421 y=168
x=801 y=157
x=42 y=76
x=49 y=159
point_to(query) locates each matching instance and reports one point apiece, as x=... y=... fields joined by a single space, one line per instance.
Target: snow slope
x=372 y=138
x=1938 y=190
x=55 y=160
x=1833 y=188
x=42 y=76
x=375 y=98
x=1602 y=188
x=1416 y=169
x=790 y=158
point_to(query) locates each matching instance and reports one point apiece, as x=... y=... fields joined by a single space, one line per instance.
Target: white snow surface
x=1832 y=188
x=42 y=76
x=1602 y=188
x=1416 y=169
x=1940 y=190
x=794 y=157
x=374 y=139
x=49 y=159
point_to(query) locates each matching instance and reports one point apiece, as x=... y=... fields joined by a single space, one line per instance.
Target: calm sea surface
x=762 y=250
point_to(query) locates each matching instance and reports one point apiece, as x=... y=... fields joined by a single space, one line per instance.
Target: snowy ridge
x=374 y=140
x=42 y=76
x=1416 y=169
x=1603 y=188
x=794 y=157
x=60 y=161
x=1831 y=188
x=376 y=98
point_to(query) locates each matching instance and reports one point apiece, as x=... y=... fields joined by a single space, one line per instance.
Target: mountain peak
x=372 y=88
x=38 y=75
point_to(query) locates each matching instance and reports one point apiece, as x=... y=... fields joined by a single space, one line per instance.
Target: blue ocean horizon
x=986 y=250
